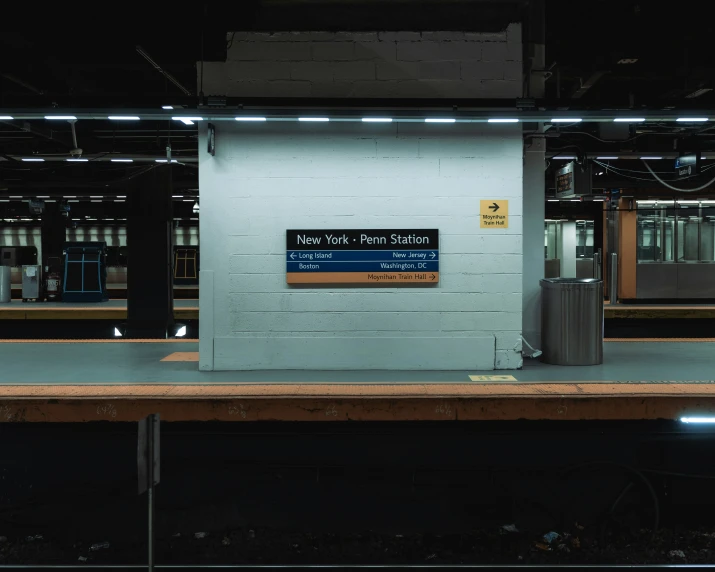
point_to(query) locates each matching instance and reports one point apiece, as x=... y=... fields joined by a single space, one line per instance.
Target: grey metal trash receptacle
x=572 y=321
x=5 y=284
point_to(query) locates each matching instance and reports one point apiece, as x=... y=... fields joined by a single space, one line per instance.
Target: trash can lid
x=556 y=282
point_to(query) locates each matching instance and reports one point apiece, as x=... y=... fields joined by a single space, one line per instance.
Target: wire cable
x=662 y=182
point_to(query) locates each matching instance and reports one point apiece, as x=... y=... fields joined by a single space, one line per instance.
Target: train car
x=664 y=247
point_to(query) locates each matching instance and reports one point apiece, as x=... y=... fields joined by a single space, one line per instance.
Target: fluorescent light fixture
x=122 y=201
x=96 y=196
x=65 y=117
x=438 y=120
x=122 y=160
x=188 y=200
x=575 y=200
x=553 y=200
x=566 y=120
x=181 y=332
x=698 y=92
x=93 y=201
x=320 y=119
x=121 y=196
x=117 y=333
x=165 y=160
x=377 y=119
x=563 y=157
x=167 y=107
x=123 y=118
x=70 y=196
x=75 y=201
x=692 y=119
x=177 y=196
x=606 y=158
x=697 y=419
x=6 y=117
x=76 y=160
x=32 y=160
x=42 y=197
x=188 y=120
x=628 y=119
x=250 y=118
x=651 y=158
x=503 y=120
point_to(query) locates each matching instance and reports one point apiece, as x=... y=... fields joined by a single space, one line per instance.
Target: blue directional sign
x=362 y=256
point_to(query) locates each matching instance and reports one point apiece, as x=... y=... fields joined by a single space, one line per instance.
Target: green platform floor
x=140 y=363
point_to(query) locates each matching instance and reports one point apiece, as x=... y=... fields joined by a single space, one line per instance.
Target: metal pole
x=597 y=264
x=150 y=494
x=613 y=279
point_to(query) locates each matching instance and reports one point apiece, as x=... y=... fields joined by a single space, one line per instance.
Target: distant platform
x=658 y=311
x=111 y=310
x=119 y=291
x=126 y=380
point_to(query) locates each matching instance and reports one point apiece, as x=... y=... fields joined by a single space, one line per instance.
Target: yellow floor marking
x=492 y=378
x=182 y=356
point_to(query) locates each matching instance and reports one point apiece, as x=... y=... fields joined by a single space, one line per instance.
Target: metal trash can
x=5 y=284
x=572 y=321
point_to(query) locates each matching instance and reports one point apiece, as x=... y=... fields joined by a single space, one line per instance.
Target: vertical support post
x=150 y=493
x=534 y=184
x=149 y=473
x=597 y=264
x=568 y=249
x=52 y=235
x=613 y=279
x=150 y=294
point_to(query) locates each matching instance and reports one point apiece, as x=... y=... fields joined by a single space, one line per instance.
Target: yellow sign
x=492 y=378
x=494 y=214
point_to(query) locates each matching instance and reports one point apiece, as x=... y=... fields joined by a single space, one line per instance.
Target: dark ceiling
x=66 y=56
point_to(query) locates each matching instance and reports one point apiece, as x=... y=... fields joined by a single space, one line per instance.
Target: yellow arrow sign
x=494 y=213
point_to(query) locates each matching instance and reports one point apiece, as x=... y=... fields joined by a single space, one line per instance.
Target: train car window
x=657 y=233
x=584 y=238
x=18 y=255
x=688 y=233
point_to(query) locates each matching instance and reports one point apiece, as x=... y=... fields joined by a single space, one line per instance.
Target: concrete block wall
x=369 y=64
x=266 y=178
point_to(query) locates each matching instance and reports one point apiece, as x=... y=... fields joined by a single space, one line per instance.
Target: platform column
x=53 y=234
x=150 y=296
x=534 y=183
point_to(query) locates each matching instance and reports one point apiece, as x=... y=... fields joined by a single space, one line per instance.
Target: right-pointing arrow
x=433 y=277
x=494 y=207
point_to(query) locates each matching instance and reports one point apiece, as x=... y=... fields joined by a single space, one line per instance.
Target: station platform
x=658 y=311
x=127 y=380
x=184 y=309
x=119 y=291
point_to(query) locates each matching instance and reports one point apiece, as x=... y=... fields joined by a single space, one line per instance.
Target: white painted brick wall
x=369 y=64
x=267 y=178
